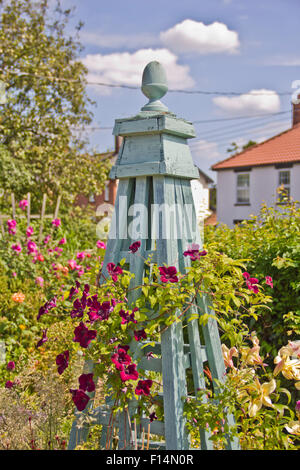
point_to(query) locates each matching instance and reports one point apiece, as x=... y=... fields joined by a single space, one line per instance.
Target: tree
x=236 y=149
x=41 y=148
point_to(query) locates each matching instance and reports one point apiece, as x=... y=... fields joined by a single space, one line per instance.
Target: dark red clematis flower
x=43 y=338
x=143 y=387
x=127 y=317
x=86 y=382
x=130 y=373
x=140 y=334
x=121 y=359
x=46 y=307
x=168 y=274
x=134 y=246
x=80 y=399
x=194 y=253
x=152 y=416
x=99 y=311
x=83 y=335
x=62 y=361
x=114 y=271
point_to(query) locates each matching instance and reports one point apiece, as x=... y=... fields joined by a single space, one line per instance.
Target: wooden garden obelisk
x=154 y=169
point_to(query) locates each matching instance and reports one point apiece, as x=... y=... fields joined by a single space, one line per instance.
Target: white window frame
x=243 y=188
x=287 y=186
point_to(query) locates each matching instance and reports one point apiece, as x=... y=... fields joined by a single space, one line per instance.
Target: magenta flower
x=80 y=255
x=17 y=248
x=32 y=248
x=11 y=225
x=74 y=290
x=101 y=245
x=86 y=383
x=129 y=373
x=56 y=222
x=46 y=239
x=127 y=317
x=269 y=281
x=62 y=361
x=46 y=307
x=80 y=399
x=114 y=271
x=99 y=311
x=79 y=306
x=83 y=335
x=43 y=339
x=39 y=281
x=23 y=204
x=11 y=365
x=134 y=247
x=297 y=408
x=9 y=384
x=62 y=241
x=140 y=334
x=143 y=387
x=194 y=253
x=72 y=264
x=29 y=231
x=251 y=282
x=121 y=359
x=168 y=274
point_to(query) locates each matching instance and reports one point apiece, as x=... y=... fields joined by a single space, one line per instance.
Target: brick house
x=249 y=178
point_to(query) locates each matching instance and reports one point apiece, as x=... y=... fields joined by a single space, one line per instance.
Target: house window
x=284 y=181
x=243 y=188
x=106 y=192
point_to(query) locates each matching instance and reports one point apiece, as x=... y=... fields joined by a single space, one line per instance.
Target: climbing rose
x=83 y=335
x=269 y=281
x=114 y=271
x=121 y=359
x=62 y=361
x=168 y=274
x=23 y=204
x=86 y=383
x=11 y=365
x=80 y=399
x=134 y=247
x=130 y=373
x=143 y=387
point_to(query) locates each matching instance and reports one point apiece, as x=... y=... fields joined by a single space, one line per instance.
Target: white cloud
x=256 y=101
x=194 y=36
x=126 y=68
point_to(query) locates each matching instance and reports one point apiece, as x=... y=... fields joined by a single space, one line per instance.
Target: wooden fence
x=27 y=215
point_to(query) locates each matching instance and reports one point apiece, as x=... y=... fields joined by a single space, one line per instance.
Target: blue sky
x=251 y=48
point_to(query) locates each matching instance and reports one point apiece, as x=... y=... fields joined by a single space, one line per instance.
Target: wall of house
x=263 y=186
x=200 y=193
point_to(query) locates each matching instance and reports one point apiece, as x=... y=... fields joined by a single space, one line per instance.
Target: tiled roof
x=282 y=148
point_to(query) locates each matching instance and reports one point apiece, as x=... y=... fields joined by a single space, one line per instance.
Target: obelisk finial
x=154 y=86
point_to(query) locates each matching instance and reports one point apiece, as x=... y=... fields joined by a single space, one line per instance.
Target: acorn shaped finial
x=154 y=86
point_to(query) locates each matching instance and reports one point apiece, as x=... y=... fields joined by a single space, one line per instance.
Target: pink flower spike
x=17 y=248
x=29 y=232
x=56 y=222
x=23 y=204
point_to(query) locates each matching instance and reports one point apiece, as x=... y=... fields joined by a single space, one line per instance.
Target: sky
x=245 y=53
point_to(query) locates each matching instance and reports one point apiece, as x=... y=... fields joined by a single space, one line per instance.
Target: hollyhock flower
x=23 y=204
x=269 y=281
x=86 y=383
x=11 y=365
x=9 y=384
x=80 y=255
x=39 y=281
x=62 y=361
x=143 y=387
x=31 y=246
x=134 y=247
x=11 y=225
x=17 y=248
x=121 y=359
x=18 y=297
x=129 y=373
x=101 y=245
x=43 y=339
x=83 y=335
x=127 y=317
x=114 y=271
x=168 y=274
x=62 y=241
x=140 y=334
x=29 y=232
x=80 y=399
x=56 y=222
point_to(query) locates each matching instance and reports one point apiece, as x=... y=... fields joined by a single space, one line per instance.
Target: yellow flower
x=263 y=391
x=290 y=368
x=228 y=355
x=22 y=327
